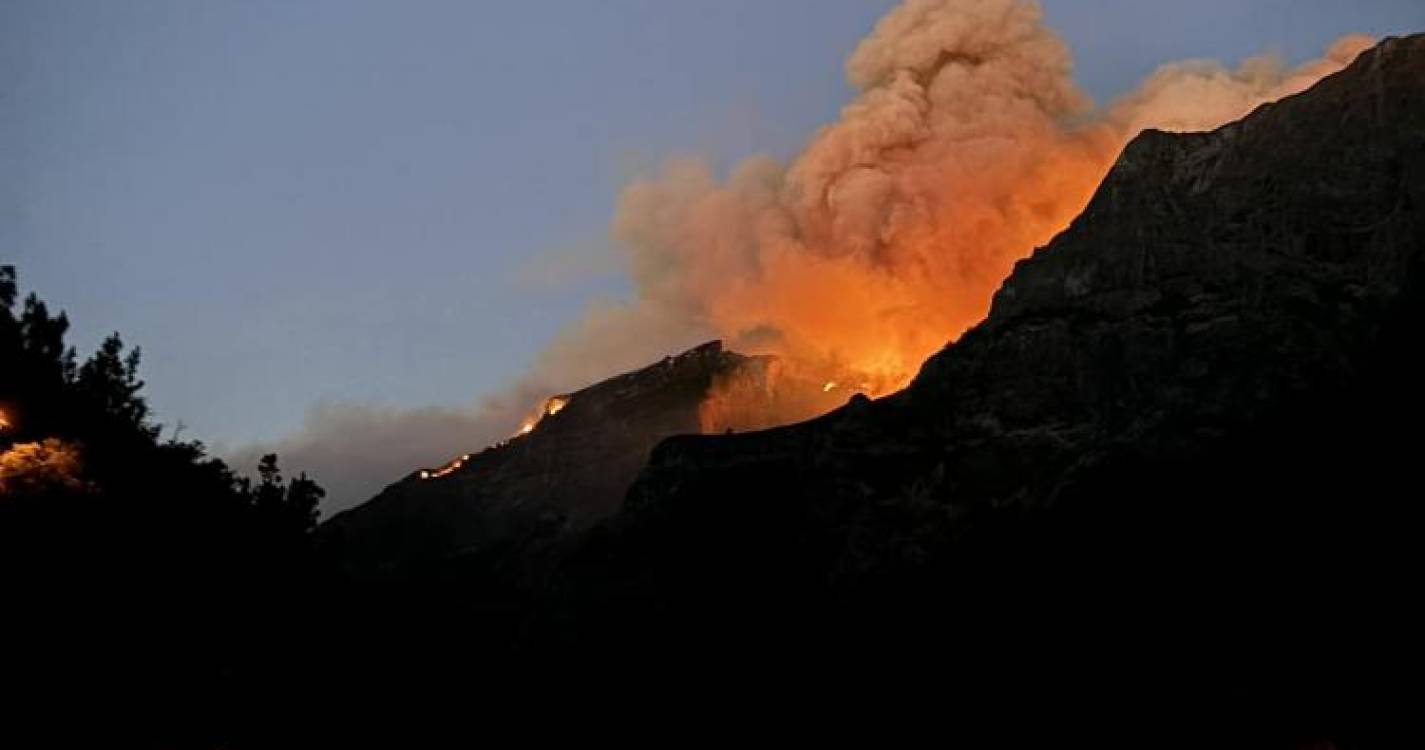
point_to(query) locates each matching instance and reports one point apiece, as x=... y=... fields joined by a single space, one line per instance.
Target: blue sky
x=284 y=202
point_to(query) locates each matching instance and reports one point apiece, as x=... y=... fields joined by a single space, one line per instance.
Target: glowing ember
x=4 y=421
x=828 y=386
x=555 y=405
x=49 y=463
x=527 y=427
x=446 y=469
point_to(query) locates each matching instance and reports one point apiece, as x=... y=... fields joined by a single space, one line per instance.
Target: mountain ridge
x=566 y=470
x=1163 y=478
x=1056 y=285
x=1179 y=413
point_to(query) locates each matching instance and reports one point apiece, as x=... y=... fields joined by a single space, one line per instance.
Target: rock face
x=1171 y=473
x=570 y=469
x=1183 y=422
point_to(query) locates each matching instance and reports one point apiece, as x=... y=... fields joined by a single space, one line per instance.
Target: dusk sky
x=401 y=203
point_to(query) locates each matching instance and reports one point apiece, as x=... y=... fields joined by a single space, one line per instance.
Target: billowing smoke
x=1202 y=94
x=966 y=146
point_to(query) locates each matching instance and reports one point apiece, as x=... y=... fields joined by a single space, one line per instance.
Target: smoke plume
x=966 y=146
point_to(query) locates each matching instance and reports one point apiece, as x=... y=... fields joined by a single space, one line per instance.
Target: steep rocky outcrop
x=1185 y=421
x=1213 y=279
x=1170 y=477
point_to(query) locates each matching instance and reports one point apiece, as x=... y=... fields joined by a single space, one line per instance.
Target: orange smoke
x=967 y=146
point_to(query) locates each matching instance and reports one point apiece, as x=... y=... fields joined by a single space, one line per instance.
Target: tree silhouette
x=292 y=507
x=109 y=382
x=110 y=538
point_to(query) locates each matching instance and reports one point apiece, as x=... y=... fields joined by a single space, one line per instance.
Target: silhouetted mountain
x=570 y=469
x=1172 y=457
x=1217 y=283
x=1168 y=477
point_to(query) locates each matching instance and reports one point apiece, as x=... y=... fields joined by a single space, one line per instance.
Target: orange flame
x=48 y=464
x=447 y=469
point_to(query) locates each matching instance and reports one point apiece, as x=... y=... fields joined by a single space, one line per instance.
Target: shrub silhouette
x=143 y=567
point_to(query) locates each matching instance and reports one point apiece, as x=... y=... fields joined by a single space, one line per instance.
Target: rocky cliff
x=1176 y=444
x=1169 y=477
x=1214 y=280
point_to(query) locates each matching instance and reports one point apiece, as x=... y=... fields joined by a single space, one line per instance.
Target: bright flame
x=552 y=406
x=446 y=469
x=4 y=421
x=555 y=405
x=826 y=388
x=44 y=465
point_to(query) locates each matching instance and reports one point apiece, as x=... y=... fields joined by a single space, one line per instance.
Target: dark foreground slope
x=1178 y=456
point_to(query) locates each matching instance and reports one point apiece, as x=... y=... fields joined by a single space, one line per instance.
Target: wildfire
x=967 y=146
x=555 y=404
x=446 y=469
x=48 y=464
x=4 y=421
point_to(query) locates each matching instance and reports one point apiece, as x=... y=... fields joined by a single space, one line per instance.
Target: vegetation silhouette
x=138 y=570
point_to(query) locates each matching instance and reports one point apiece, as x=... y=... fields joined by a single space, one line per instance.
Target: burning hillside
x=966 y=146
x=571 y=463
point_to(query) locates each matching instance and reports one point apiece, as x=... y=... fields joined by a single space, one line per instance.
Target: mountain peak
x=569 y=466
x=1181 y=401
